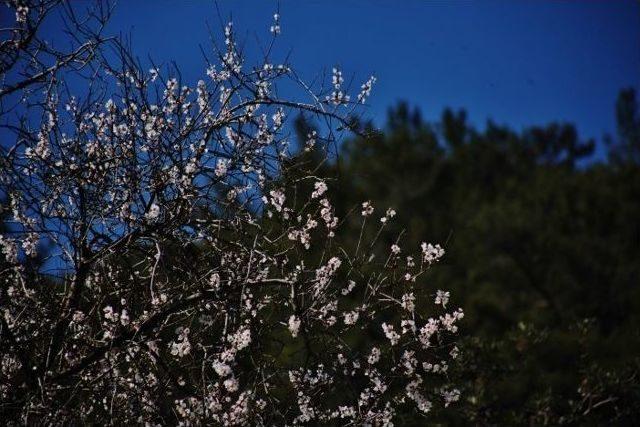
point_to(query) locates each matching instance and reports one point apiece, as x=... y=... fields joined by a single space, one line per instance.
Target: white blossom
x=450 y=396
x=337 y=96
x=21 y=14
x=222 y=369
x=221 y=167
x=442 y=298
x=231 y=385
x=294 y=325
x=391 y=335
x=275 y=28
x=367 y=209
x=30 y=244
x=153 y=212
x=351 y=317
x=374 y=356
x=319 y=189
x=431 y=253
x=365 y=91
x=311 y=141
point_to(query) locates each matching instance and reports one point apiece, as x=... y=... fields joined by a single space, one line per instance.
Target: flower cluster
x=21 y=14
x=337 y=96
x=365 y=91
x=275 y=28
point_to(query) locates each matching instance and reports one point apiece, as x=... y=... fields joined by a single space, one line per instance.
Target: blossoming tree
x=195 y=270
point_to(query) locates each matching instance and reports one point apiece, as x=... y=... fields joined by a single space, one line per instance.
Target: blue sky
x=517 y=62
x=520 y=63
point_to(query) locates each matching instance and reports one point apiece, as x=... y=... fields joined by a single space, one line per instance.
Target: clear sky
x=517 y=62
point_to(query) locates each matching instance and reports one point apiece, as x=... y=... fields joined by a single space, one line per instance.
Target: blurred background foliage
x=543 y=254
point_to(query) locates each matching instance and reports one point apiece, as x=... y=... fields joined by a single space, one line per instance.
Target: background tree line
x=543 y=250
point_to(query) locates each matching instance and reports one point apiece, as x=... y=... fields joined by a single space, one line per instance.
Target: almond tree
x=196 y=272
